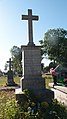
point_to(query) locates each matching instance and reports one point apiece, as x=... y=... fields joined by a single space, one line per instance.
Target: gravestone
x=10 y=80
x=31 y=65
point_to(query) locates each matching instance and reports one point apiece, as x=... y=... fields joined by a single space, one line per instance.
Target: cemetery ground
x=3 y=80
x=30 y=108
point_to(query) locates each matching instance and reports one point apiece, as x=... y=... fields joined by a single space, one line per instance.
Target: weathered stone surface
x=60 y=93
x=31 y=62
x=30 y=18
x=32 y=84
x=32 y=79
x=10 y=80
x=10 y=64
x=40 y=94
x=5 y=88
x=31 y=65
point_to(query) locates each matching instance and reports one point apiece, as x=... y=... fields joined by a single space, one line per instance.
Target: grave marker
x=30 y=18
x=10 y=80
x=10 y=64
x=31 y=65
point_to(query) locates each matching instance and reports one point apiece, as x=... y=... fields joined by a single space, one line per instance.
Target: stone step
x=8 y=88
x=40 y=94
x=60 y=93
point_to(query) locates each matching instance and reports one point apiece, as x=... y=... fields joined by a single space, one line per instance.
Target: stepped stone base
x=41 y=95
x=38 y=89
x=32 y=83
x=10 y=80
x=11 y=84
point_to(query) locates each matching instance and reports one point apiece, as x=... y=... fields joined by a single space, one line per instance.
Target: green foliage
x=16 y=57
x=8 y=106
x=17 y=79
x=10 y=109
x=52 y=65
x=55 y=45
x=31 y=95
x=44 y=106
x=3 y=80
x=48 y=79
x=57 y=110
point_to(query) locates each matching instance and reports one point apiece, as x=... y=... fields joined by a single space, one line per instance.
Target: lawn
x=48 y=79
x=3 y=80
x=10 y=109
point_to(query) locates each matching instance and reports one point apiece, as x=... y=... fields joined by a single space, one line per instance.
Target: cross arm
x=7 y=61
x=24 y=17
x=35 y=18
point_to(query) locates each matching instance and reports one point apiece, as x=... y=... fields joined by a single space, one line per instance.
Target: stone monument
x=10 y=80
x=31 y=65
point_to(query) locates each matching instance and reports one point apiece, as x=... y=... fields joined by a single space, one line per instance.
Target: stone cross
x=30 y=17
x=10 y=63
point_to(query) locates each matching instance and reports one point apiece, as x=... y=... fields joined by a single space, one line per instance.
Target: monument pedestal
x=10 y=80
x=32 y=84
x=32 y=79
x=31 y=64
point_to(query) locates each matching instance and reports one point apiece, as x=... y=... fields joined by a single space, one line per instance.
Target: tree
x=54 y=45
x=5 y=67
x=16 y=57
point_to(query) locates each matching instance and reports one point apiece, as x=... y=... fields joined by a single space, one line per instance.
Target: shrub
x=10 y=109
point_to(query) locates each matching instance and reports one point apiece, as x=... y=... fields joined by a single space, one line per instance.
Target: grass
x=17 y=79
x=6 y=94
x=3 y=80
x=48 y=79
x=9 y=109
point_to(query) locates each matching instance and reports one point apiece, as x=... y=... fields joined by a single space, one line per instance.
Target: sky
x=14 y=32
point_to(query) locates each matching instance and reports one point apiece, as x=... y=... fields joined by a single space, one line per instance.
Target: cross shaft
x=10 y=63
x=30 y=17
